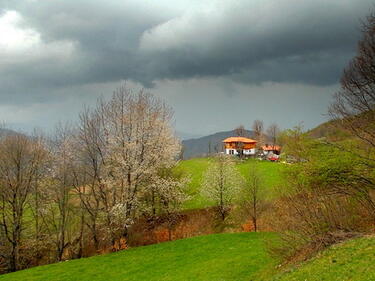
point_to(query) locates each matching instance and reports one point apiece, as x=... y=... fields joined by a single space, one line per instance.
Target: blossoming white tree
x=164 y=197
x=124 y=143
x=221 y=184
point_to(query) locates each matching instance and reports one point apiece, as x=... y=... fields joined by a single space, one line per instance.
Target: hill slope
x=353 y=260
x=7 y=132
x=202 y=146
x=214 y=257
x=330 y=131
x=270 y=172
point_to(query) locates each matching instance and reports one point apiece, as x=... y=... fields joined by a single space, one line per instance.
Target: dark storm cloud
x=83 y=42
x=104 y=38
x=284 y=41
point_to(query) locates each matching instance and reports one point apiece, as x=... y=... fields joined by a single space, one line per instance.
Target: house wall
x=235 y=152
x=249 y=151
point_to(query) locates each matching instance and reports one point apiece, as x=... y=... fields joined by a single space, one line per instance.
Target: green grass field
x=238 y=256
x=195 y=168
x=271 y=174
x=353 y=260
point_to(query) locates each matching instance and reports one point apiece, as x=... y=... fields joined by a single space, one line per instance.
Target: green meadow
x=271 y=173
x=353 y=260
x=237 y=257
x=226 y=257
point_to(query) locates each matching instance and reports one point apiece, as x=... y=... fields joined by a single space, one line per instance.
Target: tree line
x=86 y=184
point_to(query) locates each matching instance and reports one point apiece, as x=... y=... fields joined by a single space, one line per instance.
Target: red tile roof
x=239 y=139
x=271 y=147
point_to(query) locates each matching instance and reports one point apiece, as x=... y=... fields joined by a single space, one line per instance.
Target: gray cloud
x=291 y=41
x=64 y=49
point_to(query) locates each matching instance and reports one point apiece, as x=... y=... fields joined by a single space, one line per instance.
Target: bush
x=310 y=221
x=327 y=199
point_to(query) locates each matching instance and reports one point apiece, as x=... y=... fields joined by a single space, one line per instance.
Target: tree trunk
x=13 y=262
x=14 y=258
x=255 y=224
x=169 y=233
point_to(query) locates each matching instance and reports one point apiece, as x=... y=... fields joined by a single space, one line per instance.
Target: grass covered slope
x=195 y=169
x=353 y=260
x=213 y=257
x=271 y=173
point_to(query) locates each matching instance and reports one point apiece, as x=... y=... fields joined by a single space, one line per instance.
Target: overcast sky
x=217 y=63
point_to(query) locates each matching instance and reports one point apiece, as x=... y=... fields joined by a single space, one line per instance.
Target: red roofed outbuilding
x=276 y=149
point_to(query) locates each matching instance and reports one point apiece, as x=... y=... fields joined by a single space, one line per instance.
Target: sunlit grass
x=195 y=168
x=234 y=257
x=353 y=260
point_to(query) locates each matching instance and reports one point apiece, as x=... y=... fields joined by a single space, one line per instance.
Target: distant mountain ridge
x=186 y=136
x=7 y=132
x=208 y=144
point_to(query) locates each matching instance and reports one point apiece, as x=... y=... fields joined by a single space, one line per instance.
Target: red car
x=273 y=158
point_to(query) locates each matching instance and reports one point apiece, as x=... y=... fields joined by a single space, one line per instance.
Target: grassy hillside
x=239 y=256
x=195 y=168
x=271 y=173
x=353 y=260
x=214 y=257
x=330 y=131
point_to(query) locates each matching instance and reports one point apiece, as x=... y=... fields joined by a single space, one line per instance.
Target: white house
x=238 y=145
